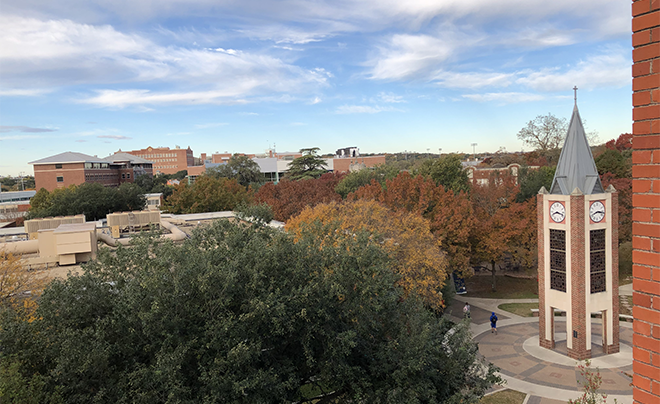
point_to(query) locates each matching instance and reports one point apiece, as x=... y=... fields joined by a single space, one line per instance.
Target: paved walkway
x=547 y=376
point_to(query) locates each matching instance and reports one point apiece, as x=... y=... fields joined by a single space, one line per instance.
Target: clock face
x=557 y=212
x=597 y=211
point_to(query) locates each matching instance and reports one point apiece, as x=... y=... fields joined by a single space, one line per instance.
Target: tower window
x=558 y=260
x=597 y=260
x=60 y=179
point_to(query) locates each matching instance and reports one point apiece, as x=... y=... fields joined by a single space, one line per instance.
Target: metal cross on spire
x=575 y=94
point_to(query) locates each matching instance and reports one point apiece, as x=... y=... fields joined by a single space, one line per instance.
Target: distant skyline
x=242 y=76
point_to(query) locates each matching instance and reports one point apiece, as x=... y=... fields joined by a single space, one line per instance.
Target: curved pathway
x=546 y=376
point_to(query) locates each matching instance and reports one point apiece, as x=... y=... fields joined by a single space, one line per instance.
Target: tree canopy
x=241 y=168
x=446 y=171
x=406 y=236
x=208 y=194
x=240 y=314
x=289 y=198
x=450 y=214
x=91 y=199
x=544 y=133
x=308 y=166
x=357 y=179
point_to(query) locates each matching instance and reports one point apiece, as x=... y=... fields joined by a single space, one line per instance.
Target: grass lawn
x=504 y=397
x=506 y=287
x=521 y=309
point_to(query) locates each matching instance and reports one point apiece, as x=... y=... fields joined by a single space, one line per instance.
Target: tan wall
x=342 y=165
x=166 y=160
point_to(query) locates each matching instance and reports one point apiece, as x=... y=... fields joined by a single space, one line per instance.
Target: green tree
x=613 y=161
x=446 y=171
x=241 y=168
x=531 y=181
x=91 y=199
x=308 y=166
x=242 y=314
x=357 y=179
x=208 y=194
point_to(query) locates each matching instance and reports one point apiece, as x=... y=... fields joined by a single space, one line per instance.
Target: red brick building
x=166 y=160
x=70 y=168
x=646 y=200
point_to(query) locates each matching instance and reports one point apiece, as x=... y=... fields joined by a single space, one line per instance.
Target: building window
x=558 y=260
x=597 y=260
x=58 y=165
x=60 y=179
x=123 y=176
x=128 y=175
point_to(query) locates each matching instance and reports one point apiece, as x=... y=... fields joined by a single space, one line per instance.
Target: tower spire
x=575 y=94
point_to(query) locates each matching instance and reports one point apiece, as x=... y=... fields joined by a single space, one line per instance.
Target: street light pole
x=474 y=150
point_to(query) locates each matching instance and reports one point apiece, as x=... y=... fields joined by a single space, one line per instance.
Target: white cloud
x=298 y=124
x=115 y=137
x=66 y=53
x=362 y=109
x=609 y=69
x=316 y=100
x=505 y=98
x=390 y=98
x=24 y=92
x=473 y=79
x=20 y=137
x=409 y=57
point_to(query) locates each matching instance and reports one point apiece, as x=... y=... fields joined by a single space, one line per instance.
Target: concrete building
x=646 y=200
x=166 y=160
x=14 y=205
x=71 y=168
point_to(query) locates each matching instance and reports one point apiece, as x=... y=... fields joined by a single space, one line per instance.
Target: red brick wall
x=45 y=175
x=342 y=165
x=646 y=200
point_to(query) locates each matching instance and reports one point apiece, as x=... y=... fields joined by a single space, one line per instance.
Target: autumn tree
x=18 y=286
x=405 y=236
x=531 y=181
x=503 y=227
x=208 y=194
x=289 y=198
x=307 y=166
x=447 y=171
x=449 y=214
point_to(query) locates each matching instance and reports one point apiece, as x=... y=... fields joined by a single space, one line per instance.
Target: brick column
x=577 y=272
x=613 y=340
x=646 y=200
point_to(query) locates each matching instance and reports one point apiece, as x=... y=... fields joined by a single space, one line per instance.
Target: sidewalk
x=546 y=376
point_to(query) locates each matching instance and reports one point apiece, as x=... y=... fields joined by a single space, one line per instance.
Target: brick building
x=646 y=200
x=166 y=160
x=71 y=168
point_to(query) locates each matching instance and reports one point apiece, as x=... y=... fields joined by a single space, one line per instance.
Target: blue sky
x=241 y=76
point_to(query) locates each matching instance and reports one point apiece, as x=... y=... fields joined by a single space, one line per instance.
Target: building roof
x=121 y=157
x=576 y=167
x=15 y=196
x=69 y=157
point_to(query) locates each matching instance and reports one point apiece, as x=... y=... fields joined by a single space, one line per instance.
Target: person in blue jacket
x=493 y=323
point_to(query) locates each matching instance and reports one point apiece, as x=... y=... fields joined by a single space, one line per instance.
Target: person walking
x=466 y=310
x=493 y=323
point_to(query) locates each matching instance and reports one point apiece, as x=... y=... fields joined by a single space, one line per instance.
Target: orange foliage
x=15 y=284
x=450 y=215
x=624 y=190
x=405 y=236
x=503 y=226
x=289 y=198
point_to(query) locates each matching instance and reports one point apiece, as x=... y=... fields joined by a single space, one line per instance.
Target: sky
x=386 y=76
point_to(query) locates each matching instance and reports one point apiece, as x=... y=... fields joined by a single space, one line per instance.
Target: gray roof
x=69 y=157
x=576 y=167
x=120 y=157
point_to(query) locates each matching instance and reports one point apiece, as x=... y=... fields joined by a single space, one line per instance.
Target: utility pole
x=21 y=176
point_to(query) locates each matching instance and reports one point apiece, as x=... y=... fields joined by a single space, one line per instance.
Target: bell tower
x=578 y=268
